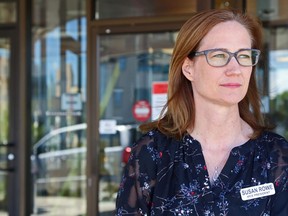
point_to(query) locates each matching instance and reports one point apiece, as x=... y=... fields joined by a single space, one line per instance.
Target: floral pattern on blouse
x=165 y=176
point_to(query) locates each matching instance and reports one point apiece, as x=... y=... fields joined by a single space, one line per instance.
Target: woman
x=210 y=152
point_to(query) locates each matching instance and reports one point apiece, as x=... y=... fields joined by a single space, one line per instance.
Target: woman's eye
x=219 y=55
x=244 y=56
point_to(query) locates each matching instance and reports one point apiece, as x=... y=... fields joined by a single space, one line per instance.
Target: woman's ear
x=187 y=69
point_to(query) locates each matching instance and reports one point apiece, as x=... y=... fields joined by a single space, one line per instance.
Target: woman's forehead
x=228 y=35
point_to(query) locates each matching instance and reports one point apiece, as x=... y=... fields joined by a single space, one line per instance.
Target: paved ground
x=66 y=206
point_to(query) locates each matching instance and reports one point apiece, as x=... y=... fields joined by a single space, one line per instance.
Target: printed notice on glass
x=107 y=126
x=159 y=98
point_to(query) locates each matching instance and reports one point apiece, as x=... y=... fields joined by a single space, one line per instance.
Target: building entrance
x=132 y=85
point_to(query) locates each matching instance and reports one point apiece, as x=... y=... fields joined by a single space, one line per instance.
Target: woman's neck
x=218 y=132
x=220 y=128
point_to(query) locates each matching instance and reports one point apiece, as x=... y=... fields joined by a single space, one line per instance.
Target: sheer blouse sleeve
x=280 y=175
x=136 y=189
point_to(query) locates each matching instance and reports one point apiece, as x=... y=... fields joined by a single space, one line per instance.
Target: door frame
x=20 y=202
x=13 y=171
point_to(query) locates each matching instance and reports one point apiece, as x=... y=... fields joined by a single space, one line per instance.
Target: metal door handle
x=9 y=158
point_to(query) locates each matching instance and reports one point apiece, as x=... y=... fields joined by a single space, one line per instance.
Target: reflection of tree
x=279 y=112
x=4 y=94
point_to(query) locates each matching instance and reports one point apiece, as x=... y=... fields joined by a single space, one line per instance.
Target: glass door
x=132 y=82
x=7 y=166
x=274 y=17
x=277 y=60
x=59 y=107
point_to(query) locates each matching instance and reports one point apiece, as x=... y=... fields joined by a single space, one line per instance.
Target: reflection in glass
x=7 y=12
x=59 y=174
x=129 y=65
x=4 y=118
x=279 y=89
x=107 y=9
x=4 y=87
x=276 y=58
x=58 y=107
x=235 y=4
x=272 y=10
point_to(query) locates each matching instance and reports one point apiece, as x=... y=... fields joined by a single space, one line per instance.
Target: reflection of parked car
x=59 y=158
x=59 y=161
x=114 y=156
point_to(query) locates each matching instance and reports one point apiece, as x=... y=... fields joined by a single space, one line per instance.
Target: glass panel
x=8 y=12
x=59 y=162
x=58 y=107
x=107 y=9
x=235 y=4
x=273 y=75
x=130 y=67
x=4 y=88
x=278 y=77
x=5 y=52
x=272 y=10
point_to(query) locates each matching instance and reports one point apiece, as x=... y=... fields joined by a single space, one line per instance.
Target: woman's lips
x=231 y=85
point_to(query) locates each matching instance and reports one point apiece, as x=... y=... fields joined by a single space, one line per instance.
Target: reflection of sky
x=52 y=59
x=4 y=64
x=4 y=53
x=278 y=61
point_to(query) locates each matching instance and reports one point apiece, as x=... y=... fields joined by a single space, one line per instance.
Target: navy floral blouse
x=165 y=176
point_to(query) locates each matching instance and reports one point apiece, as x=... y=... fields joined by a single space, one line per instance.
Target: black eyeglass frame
x=205 y=52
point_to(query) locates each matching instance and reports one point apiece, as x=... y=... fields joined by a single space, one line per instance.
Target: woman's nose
x=233 y=67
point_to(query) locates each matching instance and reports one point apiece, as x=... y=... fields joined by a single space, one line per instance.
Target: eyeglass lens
x=244 y=57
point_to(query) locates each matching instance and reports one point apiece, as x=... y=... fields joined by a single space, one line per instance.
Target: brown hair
x=179 y=111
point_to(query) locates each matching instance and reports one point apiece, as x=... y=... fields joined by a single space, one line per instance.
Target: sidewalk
x=67 y=206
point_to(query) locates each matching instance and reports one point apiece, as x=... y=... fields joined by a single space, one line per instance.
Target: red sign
x=142 y=110
x=160 y=88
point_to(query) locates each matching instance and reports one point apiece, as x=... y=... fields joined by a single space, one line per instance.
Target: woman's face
x=226 y=85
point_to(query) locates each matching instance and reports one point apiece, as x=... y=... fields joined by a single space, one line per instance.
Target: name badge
x=257 y=191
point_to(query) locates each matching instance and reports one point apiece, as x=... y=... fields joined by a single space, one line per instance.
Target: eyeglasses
x=221 y=57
